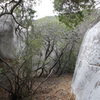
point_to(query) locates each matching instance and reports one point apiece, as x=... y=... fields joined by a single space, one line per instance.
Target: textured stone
x=86 y=79
x=7 y=46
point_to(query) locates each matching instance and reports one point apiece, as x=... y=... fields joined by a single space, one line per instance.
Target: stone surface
x=7 y=45
x=86 y=79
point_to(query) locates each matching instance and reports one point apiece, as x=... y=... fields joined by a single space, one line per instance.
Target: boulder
x=7 y=43
x=86 y=79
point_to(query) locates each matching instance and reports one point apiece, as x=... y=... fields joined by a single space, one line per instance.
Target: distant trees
x=60 y=46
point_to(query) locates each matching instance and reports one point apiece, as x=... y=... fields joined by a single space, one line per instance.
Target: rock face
x=86 y=79
x=7 y=47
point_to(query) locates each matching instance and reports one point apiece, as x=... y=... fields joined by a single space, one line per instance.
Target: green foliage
x=71 y=66
x=71 y=20
x=67 y=6
x=52 y=28
x=73 y=13
x=35 y=44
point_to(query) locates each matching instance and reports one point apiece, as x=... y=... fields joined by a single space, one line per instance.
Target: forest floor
x=55 y=88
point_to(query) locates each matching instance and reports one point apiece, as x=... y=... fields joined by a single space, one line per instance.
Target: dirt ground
x=55 y=88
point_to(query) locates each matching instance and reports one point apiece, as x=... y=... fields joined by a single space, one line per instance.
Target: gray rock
x=7 y=46
x=86 y=79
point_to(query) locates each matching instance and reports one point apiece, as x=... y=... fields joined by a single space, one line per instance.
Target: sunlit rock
x=7 y=43
x=86 y=79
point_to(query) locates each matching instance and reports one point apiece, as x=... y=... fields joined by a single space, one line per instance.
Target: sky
x=44 y=8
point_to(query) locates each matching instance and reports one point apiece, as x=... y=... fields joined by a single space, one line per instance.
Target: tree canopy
x=72 y=12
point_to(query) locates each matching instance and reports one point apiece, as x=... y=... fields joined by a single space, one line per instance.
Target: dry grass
x=55 y=88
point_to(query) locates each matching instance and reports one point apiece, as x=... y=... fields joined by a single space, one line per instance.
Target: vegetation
x=45 y=47
x=72 y=12
x=51 y=28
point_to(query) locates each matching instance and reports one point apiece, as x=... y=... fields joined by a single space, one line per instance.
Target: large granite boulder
x=86 y=79
x=7 y=42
